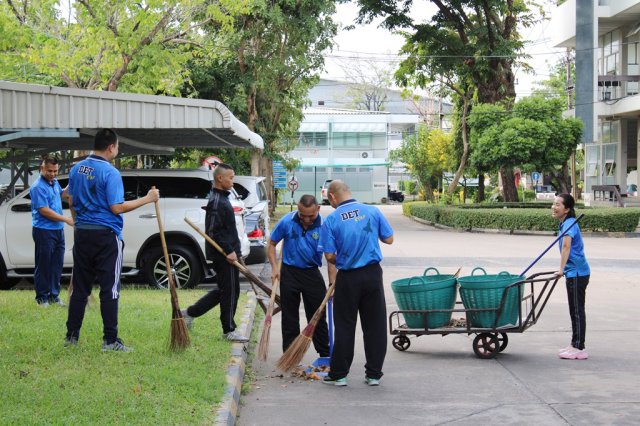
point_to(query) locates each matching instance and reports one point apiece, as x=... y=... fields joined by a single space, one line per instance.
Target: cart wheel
x=401 y=343
x=486 y=345
x=503 y=340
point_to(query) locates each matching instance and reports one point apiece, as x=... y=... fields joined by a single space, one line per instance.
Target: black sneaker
x=116 y=346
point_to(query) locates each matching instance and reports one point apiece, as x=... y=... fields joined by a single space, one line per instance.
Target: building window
x=312 y=139
x=358 y=139
x=338 y=170
x=320 y=103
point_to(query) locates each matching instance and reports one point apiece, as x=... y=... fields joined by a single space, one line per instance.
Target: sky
x=371 y=42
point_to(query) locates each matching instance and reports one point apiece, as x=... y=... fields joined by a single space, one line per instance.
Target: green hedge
x=595 y=219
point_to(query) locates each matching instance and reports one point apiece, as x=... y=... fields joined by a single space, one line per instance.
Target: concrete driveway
x=439 y=380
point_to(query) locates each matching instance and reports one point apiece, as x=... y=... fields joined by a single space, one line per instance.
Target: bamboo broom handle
x=247 y=273
x=165 y=252
x=274 y=286
x=237 y=264
x=316 y=315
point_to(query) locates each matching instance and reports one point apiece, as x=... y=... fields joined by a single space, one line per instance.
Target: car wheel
x=258 y=254
x=6 y=283
x=185 y=264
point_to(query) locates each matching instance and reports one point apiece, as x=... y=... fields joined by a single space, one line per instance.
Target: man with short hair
x=300 y=276
x=48 y=232
x=220 y=223
x=350 y=240
x=96 y=199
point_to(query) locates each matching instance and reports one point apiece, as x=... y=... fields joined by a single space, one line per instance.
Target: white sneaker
x=234 y=336
x=188 y=319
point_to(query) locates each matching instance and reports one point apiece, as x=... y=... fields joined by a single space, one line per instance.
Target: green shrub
x=531 y=219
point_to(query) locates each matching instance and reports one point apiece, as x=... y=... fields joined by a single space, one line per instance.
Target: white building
x=336 y=142
x=606 y=37
x=350 y=145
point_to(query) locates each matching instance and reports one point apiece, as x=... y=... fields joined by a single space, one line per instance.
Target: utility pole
x=569 y=89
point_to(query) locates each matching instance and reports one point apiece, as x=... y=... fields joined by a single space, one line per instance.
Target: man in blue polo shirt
x=350 y=239
x=48 y=232
x=96 y=198
x=300 y=275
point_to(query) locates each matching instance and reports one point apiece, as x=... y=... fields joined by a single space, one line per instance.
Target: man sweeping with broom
x=300 y=274
x=221 y=226
x=96 y=199
x=349 y=239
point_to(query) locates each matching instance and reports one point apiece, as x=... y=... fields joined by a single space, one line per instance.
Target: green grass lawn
x=45 y=383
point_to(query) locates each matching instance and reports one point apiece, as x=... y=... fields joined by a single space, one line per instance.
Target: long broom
x=245 y=271
x=294 y=353
x=263 y=347
x=179 y=332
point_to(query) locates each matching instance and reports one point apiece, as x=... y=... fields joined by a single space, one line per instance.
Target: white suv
x=183 y=193
x=253 y=193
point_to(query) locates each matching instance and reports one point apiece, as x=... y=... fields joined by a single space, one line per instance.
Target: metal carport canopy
x=59 y=118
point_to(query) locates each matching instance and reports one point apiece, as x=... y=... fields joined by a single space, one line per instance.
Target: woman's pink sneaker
x=565 y=349
x=574 y=353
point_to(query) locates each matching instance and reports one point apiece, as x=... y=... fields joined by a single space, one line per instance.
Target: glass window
x=365 y=169
x=337 y=170
x=173 y=187
x=351 y=169
x=632 y=54
x=364 y=140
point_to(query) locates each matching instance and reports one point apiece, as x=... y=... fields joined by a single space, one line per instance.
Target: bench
x=607 y=193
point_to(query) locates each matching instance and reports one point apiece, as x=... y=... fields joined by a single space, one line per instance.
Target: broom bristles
x=179 y=334
x=294 y=353
x=264 y=341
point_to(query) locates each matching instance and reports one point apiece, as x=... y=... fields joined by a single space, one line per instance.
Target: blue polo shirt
x=300 y=245
x=94 y=185
x=45 y=194
x=577 y=265
x=353 y=232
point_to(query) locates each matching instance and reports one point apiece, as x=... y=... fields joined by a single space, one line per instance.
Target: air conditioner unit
x=366 y=154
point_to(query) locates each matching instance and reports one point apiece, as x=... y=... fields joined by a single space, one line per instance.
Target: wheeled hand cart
x=491 y=338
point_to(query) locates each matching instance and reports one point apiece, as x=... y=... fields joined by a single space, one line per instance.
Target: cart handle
x=431 y=268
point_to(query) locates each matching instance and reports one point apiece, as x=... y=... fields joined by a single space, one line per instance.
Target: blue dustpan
x=324 y=361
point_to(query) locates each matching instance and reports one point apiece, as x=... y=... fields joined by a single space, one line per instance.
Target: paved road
x=440 y=381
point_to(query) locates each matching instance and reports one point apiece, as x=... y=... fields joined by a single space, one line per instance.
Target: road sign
x=293 y=184
x=535 y=176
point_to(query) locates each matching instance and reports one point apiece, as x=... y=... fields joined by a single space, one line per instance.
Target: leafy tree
x=108 y=45
x=427 y=154
x=471 y=44
x=532 y=135
x=269 y=63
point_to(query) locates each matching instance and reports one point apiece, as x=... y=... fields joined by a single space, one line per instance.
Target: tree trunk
x=256 y=158
x=480 y=197
x=465 y=148
x=427 y=190
x=266 y=170
x=509 y=190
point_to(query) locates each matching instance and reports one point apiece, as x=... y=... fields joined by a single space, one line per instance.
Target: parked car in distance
x=183 y=193
x=324 y=191
x=253 y=193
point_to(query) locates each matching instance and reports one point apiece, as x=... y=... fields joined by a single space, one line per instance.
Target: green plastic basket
x=426 y=292
x=485 y=292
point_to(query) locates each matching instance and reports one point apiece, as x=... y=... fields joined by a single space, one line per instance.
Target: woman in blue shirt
x=574 y=267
